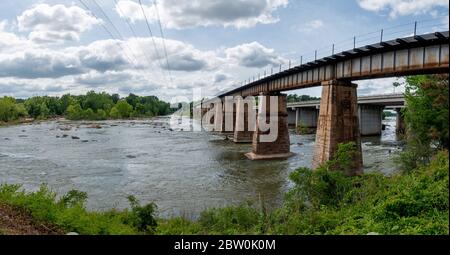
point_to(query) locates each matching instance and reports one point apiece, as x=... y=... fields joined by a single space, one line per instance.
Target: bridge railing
x=377 y=36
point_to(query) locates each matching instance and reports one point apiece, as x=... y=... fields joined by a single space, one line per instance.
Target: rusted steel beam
x=420 y=54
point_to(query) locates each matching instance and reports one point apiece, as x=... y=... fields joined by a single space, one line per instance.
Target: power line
x=163 y=39
x=132 y=29
x=107 y=30
x=151 y=35
x=117 y=31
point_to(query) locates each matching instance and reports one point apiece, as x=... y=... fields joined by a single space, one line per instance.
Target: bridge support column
x=279 y=145
x=400 y=125
x=219 y=118
x=338 y=123
x=245 y=122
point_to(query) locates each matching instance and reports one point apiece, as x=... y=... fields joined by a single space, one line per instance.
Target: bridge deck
x=421 y=54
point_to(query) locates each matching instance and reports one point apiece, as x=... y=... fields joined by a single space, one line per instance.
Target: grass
x=321 y=202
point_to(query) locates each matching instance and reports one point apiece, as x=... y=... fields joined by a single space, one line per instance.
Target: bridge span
x=370 y=113
x=339 y=117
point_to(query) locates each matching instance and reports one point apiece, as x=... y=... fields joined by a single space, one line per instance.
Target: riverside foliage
x=92 y=106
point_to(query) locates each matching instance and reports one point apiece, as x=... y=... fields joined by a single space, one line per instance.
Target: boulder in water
x=75 y=138
x=97 y=126
x=66 y=128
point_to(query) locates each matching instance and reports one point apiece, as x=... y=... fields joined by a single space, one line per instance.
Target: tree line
x=296 y=98
x=91 y=106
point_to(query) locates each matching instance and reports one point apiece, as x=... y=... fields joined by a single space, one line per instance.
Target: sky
x=54 y=47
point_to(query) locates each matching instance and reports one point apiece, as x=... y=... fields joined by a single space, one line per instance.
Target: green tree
x=114 y=113
x=74 y=112
x=9 y=110
x=426 y=116
x=44 y=112
x=89 y=114
x=124 y=109
x=101 y=115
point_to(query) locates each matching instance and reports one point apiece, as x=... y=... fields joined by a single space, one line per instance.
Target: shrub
x=142 y=217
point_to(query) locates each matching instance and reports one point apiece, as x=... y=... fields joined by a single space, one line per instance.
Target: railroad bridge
x=338 y=117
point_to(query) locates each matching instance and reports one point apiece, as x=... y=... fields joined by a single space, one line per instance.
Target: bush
x=74 y=112
x=426 y=118
x=230 y=220
x=142 y=217
x=10 y=110
x=68 y=213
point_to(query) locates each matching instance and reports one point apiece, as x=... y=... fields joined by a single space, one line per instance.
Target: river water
x=182 y=172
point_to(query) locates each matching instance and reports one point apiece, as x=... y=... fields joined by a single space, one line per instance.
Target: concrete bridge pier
x=338 y=122
x=243 y=132
x=219 y=117
x=279 y=147
x=400 y=125
x=370 y=119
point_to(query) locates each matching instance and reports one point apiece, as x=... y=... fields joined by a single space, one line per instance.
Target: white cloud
x=55 y=24
x=3 y=25
x=181 y=14
x=132 y=11
x=254 y=55
x=98 y=79
x=379 y=86
x=37 y=63
x=402 y=7
x=182 y=56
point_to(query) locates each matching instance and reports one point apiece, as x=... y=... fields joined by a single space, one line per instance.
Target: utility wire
x=107 y=30
x=163 y=40
x=132 y=30
x=117 y=31
x=151 y=35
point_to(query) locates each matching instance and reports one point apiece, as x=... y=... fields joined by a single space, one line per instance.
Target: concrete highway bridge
x=370 y=113
x=339 y=115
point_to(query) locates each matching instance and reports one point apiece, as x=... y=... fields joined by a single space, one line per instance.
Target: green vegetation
x=388 y=114
x=92 y=106
x=70 y=214
x=10 y=110
x=427 y=119
x=297 y=98
x=303 y=129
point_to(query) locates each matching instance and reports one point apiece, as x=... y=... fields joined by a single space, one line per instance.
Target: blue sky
x=55 y=47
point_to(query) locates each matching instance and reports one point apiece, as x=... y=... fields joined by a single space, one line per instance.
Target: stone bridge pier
x=245 y=120
x=273 y=142
x=338 y=123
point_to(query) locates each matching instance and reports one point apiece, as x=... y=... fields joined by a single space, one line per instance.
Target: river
x=182 y=172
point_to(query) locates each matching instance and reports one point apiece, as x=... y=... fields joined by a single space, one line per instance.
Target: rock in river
x=97 y=126
x=75 y=138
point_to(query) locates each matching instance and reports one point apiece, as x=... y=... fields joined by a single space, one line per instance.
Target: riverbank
x=321 y=202
x=16 y=221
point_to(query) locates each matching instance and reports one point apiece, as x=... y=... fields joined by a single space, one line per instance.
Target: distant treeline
x=92 y=106
x=297 y=98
